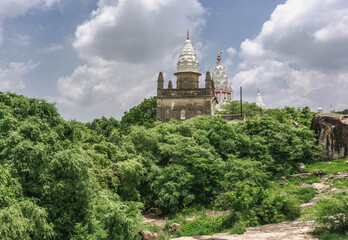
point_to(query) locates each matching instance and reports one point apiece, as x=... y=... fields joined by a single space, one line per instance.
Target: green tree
x=143 y=114
x=249 y=109
x=172 y=187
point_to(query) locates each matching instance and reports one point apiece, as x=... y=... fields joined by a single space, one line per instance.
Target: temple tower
x=187 y=67
x=223 y=89
x=259 y=101
x=187 y=99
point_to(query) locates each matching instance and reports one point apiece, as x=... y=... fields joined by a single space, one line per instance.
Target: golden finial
x=219 y=56
x=188 y=35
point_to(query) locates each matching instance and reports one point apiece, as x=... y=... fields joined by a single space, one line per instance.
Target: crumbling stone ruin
x=332 y=131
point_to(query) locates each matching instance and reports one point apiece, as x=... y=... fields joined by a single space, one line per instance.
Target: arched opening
x=183 y=115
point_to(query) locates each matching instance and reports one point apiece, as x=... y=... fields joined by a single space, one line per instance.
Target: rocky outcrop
x=174 y=227
x=146 y=235
x=332 y=131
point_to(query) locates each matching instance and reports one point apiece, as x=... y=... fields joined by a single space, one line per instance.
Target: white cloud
x=125 y=44
x=300 y=57
x=51 y=48
x=14 y=8
x=231 y=51
x=137 y=31
x=11 y=76
x=23 y=40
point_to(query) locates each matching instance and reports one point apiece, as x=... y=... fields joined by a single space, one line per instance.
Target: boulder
x=282 y=184
x=146 y=235
x=318 y=172
x=156 y=235
x=300 y=167
x=332 y=132
x=174 y=227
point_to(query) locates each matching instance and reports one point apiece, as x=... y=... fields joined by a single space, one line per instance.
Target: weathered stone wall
x=187 y=92
x=168 y=108
x=332 y=131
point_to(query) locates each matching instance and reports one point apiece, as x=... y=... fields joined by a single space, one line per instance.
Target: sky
x=97 y=58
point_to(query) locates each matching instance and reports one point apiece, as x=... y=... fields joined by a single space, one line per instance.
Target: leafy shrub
x=332 y=213
x=201 y=225
x=245 y=171
x=25 y=220
x=238 y=228
x=171 y=186
x=257 y=206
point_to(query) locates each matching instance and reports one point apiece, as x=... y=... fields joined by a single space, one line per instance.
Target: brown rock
x=282 y=184
x=318 y=171
x=174 y=227
x=300 y=167
x=300 y=175
x=283 y=177
x=146 y=235
x=156 y=235
x=329 y=163
x=332 y=132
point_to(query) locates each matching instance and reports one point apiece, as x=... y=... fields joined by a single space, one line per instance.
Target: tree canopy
x=71 y=180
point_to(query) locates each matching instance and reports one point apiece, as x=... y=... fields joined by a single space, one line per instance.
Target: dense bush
x=255 y=206
x=48 y=176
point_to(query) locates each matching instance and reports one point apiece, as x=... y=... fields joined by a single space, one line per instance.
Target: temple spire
x=259 y=101
x=219 y=56
x=188 y=35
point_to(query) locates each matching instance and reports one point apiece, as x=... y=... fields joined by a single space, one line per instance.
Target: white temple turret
x=259 y=101
x=188 y=61
x=223 y=89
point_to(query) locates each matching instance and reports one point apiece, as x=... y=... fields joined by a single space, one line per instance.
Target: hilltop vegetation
x=71 y=180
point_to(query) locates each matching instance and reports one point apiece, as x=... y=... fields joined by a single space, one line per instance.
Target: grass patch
x=339 y=183
x=333 y=236
x=202 y=225
x=330 y=213
x=303 y=194
x=338 y=165
x=307 y=179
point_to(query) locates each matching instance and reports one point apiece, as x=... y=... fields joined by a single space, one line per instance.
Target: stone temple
x=187 y=100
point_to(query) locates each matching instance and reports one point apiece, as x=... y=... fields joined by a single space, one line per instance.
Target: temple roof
x=188 y=61
x=220 y=76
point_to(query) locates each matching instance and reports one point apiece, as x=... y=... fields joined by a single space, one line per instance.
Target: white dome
x=188 y=61
x=259 y=101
